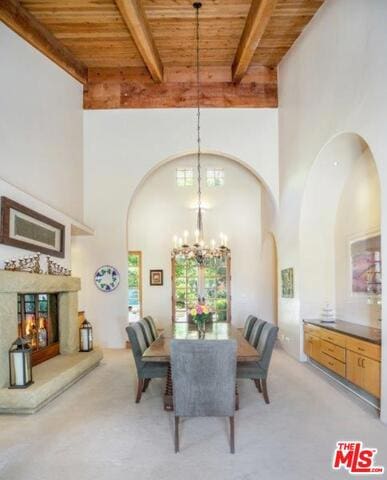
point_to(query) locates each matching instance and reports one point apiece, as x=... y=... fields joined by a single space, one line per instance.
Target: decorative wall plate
x=107 y=278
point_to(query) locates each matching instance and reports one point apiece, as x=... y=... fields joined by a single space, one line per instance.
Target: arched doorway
x=165 y=204
x=341 y=204
x=340 y=251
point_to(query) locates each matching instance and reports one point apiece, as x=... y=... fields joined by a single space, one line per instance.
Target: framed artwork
x=156 y=278
x=106 y=278
x=287 y=279
x=24 y=228
x=366 y=272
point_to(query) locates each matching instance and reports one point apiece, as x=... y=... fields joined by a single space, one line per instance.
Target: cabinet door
x=364 y=372
x=312 y=346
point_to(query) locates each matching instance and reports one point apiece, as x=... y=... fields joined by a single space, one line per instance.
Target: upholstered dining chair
x=258 y=371
x=203 y=378
x=147 y=331
x=145 y=370
x=249 y=324
x=152 y=326
x=256 y=332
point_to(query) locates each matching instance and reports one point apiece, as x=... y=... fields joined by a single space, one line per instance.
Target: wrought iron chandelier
x=199 y=249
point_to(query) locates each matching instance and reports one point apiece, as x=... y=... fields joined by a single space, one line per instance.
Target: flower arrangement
x=200 y=314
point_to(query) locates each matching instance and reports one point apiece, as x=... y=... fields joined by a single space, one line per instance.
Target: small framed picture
x=156 y=278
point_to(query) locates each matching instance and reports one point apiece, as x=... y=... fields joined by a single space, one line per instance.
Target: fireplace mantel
x=23 y=282
x=12 y=283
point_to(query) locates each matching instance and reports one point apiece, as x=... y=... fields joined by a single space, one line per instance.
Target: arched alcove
x=341 y=204
x=243 y=208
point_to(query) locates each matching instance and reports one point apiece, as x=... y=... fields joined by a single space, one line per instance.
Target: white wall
x=160 y=209
x=358 y=216
x=331 y=81
x=40 y=126
x=121 y=147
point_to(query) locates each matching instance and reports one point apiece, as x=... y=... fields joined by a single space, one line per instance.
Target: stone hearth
x=57 y=374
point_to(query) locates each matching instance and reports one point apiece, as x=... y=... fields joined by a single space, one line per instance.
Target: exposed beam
x=17 y=18
x=134 y=88
x=134 y=16
x=256 y=23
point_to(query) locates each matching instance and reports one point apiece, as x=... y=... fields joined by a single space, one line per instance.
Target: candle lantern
x=20 y=364
x=85 y=337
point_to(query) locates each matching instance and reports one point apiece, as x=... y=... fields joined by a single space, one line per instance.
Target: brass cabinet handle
x=331 y=364
x=362 y=362
x=361 y=349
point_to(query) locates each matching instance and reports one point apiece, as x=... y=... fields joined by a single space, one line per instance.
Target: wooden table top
x=159 y=351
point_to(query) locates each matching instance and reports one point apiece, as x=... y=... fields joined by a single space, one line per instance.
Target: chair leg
x=258 y=384
x=146 y=383
x=264 y=389
x=140 y=385
x=177 y=434
x=232 y=435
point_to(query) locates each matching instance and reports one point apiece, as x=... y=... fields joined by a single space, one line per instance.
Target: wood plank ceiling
x=141 y=53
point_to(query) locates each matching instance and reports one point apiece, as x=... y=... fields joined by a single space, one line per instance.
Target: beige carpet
x=95 y=431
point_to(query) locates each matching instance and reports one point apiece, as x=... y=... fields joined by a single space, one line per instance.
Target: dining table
x=159 y=350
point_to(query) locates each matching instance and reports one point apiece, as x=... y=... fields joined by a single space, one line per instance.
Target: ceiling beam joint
x=135 y=19
x=18 y=19
x=256 y=23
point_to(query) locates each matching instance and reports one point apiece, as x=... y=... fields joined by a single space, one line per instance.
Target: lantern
x=20 y=364
x=85 y=337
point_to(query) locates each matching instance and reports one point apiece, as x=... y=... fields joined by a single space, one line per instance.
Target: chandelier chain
x=198 y=92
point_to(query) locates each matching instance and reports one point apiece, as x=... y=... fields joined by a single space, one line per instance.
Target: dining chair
x=258 y=371
x=203 y=378
x=256 y=332
x=249 y=324
x=145 y=370
x=147 y=332
x=152 y=326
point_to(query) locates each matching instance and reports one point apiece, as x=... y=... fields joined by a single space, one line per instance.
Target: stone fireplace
x=55 y=374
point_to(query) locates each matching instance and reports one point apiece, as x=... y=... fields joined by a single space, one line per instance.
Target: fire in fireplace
x=38 y=322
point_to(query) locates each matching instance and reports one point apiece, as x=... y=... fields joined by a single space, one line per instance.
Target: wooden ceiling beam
x=134 y=17
x=256 y=23
x=134 y=88
x=18 y=19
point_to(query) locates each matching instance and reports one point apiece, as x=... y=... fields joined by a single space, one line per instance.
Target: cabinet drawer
x=361 y=347
x=312 y=346
x=312 y=329
x=364 y=372
x=333 y=350
x=333 y=364
x=333 y=337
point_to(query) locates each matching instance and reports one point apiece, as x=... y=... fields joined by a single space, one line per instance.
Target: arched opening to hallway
x=340 y=258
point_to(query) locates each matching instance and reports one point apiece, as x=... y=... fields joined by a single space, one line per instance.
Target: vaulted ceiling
x=133 y=53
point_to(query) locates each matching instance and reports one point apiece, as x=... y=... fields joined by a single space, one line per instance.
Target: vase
x=201 y=324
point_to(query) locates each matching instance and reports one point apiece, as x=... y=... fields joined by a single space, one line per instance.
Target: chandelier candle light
x=199 y=249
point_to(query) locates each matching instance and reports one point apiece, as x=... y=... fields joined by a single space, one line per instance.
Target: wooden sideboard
x=353 y=358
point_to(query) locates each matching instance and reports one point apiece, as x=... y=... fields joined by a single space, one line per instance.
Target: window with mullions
x=215 y=177
x=184 y=177
x=134 y=286
x=211 y=281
